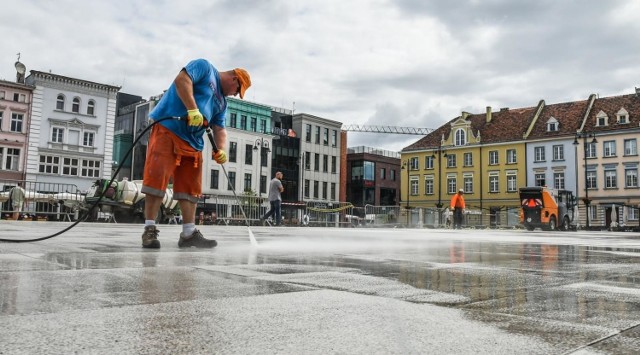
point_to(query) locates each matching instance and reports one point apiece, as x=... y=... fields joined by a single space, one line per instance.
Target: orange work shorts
x=170 y=157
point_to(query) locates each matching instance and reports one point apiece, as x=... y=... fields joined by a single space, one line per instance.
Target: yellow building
x=483 y=154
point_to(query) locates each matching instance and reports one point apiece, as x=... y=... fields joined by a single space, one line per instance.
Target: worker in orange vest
x=458 y=206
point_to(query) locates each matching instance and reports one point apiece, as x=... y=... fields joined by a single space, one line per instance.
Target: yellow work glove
x=220 y=156
x=195 y=118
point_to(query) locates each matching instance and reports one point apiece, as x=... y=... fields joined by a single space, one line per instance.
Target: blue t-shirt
x=209 y=98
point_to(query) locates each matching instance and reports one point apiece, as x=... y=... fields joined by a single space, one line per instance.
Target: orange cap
x=244 y=79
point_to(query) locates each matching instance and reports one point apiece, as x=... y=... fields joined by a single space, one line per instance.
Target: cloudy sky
x=410 y=63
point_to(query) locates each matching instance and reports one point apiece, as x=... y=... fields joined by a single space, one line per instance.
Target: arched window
x=75 y=107
x=461 y=137
x=91 y=107
x=60 y=102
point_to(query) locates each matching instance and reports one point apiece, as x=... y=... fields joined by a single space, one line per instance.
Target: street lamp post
x=261 y=145
x=439 y=205
x=406 y=166
x=301 y=161
x=585 y=136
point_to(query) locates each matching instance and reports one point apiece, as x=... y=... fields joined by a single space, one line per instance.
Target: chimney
x=465 y=115
x=488 y=114
x=637 y=91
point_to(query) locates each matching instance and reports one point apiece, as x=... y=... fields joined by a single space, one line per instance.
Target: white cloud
x=381 y=62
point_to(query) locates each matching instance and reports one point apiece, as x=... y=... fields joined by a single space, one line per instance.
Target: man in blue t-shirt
x=175 y=147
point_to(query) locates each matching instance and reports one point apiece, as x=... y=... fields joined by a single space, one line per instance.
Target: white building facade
x=72 y=129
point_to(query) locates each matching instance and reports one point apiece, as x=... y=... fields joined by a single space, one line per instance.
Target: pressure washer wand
x=215 y=149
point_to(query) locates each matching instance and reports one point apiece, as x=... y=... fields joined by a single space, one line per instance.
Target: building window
x=494 y=182
x=49 y=164
x=493 y=157
x=468 y=184
x=91 y=107
x=1 y=115
x=451 y=185
x=306 y=188
x=16 y=122
x=590 y=150
x=414 y=186
x=383 y=173
x=460 y=137
x=511 y=156
x=60 y=102
x=558 y=180
x=325 y=136
x=307 y=134
x=75 y=106
x=428 y=185
x=413 y=163
x=325 y=163
x=90 y=168
x=451 y=160
x=243 y=122
x=57 y=135
x=428 y=162
x=19 y=97
x=468 y=159
x=333 y=164
x=539 y=154
x=540 y=179
x=333 y=191
x=307 y=160
x=247 y=182
x=233 y=151
x=609 y=148
x=88 y=139
x=316 y=162
x=558 y=152
x=2 y=93
x=231 y=184
x=263 y=125
x=591 y=180
x=254 y=124
x=316 y=187
x=602 y=119
x=610 y=179
x=233 y=120
x=70 y=166
x=317 y=134
x=630 y=147
x=12 y=159
x=631 y=177
x=324 y=190
x=334 y=138
x=215 y=179
x=512 y=183
x=552 y=125
x=248 y=154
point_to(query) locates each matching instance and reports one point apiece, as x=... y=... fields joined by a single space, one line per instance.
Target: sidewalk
x=302 y=290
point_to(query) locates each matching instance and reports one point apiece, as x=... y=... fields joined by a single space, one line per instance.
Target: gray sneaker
x=150 y=237
x=196 y=240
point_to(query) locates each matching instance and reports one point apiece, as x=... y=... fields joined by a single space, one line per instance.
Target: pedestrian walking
x=275 y=199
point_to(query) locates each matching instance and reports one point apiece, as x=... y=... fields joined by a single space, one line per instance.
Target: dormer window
x=623 y=116
x=552 y=125
x=460 y=137
x=602 y=119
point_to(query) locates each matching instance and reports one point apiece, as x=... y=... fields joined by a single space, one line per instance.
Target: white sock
x=188 y=229
x=149 y=222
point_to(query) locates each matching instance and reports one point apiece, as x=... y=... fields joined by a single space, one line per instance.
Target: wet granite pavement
x=318 y=291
